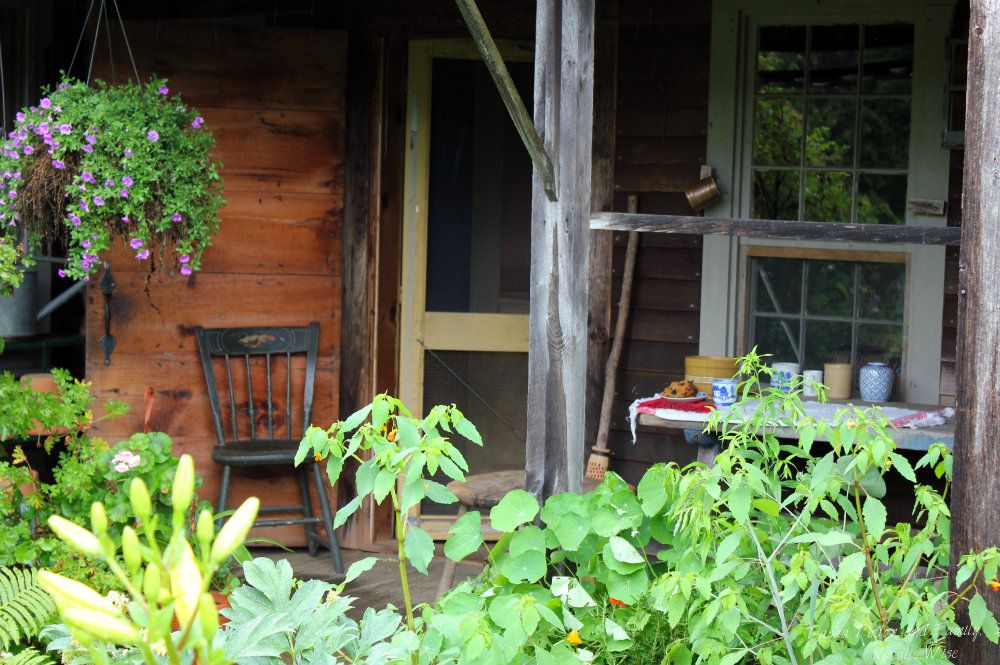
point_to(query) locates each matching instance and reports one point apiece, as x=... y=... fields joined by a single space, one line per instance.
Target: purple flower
x=98 y=201
x=90 y=138
x=153 y=136
x=163 y=90
x=123 y=193
x=63 y=86
x=61 y=273
x=109 y=183
x=28 y=150
x=74 y=219
x=65 y=128
x=126 y=219
x=176 y=218
x=87 y=176
x=135 y=243
x=20 y=117
x=83 y=204
x=183 y=258
x=12 y=194
x=87 y=148
x=196 y=123
x=45 y=103
x=185 y=270
x=127 y=152
x=142 y=255
x=127 y=181
x=85 y=244
x=58 y=164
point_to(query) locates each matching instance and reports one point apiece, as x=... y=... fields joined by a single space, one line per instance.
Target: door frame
x=420 y=330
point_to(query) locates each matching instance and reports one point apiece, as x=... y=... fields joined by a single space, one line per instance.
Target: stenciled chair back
x=242 y=351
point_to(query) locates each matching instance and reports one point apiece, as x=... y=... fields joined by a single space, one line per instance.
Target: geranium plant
x=91 y=164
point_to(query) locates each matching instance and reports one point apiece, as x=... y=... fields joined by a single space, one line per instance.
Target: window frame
x=726 y=262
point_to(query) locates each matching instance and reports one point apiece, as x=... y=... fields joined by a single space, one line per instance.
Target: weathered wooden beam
x=770 y=228
x=975 y=482
x=602 y=195
x=557 y=355
x=508 y=91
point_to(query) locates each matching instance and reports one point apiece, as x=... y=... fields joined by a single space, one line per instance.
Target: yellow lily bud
x=98 y=518
x=235 y=531
x=69 y=593
x=151 y=583
x=183 y=488
x=205 y=529
x=185 y=585
x=130 y=550
x=75 y=536
x=138 y=495
x=208 y=616
x=111 y=629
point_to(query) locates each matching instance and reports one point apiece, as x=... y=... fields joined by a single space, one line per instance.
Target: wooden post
x=557 y=356
x=976 y=484
x=602 y=196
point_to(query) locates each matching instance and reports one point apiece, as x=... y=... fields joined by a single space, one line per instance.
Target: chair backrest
x=248 y=348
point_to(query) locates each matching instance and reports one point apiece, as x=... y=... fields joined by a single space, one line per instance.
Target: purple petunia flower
x=109 y=182
x=127 y=152
x=135 y=243
x=153 y=136
x=85 y=244
x=142 y=255
x=45 y=103
x=12 y=194
x=87 y=176
x=176 y=218
x=90 y=138
x=74 y=219
x=58 y=164
x=184 y=258
x=127 y=181
x=20 y=117
x=196 y=123
x=61 y=273
x=126 y=219
x=163 y=90
x=65 y=128
x=98 y=201
x=185 y=270
x=87 y=148
x=28 y=150
x=123 y=193
x=83 y=204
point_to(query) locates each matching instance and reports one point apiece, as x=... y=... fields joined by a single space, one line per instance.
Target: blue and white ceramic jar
x=724 y=392
x=875 y=382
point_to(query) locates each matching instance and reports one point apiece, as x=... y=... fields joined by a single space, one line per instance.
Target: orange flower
x=851 y=424
x=994 y=584
x=615 y=601
x=574 y=638
x=317 y=457
x=392 y=436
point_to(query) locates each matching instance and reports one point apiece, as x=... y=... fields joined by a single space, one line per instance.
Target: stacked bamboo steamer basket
x=702 y=370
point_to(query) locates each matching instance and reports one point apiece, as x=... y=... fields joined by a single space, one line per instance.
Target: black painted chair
x=246 y=444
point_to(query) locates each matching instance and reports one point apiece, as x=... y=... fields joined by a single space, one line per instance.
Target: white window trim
x=724 y=264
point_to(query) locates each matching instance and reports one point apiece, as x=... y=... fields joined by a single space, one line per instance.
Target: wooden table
x=904 y=437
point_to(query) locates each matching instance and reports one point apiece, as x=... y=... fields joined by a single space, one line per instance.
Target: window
x=813 y=311
x=832 y=123
x=828 y=112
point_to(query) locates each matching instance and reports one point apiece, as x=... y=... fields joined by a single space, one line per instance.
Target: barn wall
x=274 y=99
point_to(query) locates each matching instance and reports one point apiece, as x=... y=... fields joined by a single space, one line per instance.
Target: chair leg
x=307 y=511
x=331 y=535
x=448 y=575
x=220 y=505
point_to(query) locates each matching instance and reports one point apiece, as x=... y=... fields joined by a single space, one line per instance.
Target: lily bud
x=151 y=583
x=183 y=489
x=131 y=550
x=138 y=494
x=110 y=629
x=205 y=529
x=185 y=586
x=70 y=593
x=98 y=518
x=75 y=536
x=235 y=531
x=208 y=616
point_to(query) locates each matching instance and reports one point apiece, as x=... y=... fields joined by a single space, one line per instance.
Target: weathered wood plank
x=976 y=484
x=768 y=228
x=602 y=196
x=564 y=88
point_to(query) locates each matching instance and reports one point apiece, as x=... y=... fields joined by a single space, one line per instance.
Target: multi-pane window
x=815 y=311
x=832 y=123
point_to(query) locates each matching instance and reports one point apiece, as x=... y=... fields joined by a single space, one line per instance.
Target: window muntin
x=813 y=311
x=831 y=115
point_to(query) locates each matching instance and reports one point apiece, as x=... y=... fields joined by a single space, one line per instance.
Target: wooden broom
x=597 y=465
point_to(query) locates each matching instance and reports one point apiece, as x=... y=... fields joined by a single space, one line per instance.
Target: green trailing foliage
x=29 y=656
x=25 y=608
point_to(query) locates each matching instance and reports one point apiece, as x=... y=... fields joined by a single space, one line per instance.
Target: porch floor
x=380 y=585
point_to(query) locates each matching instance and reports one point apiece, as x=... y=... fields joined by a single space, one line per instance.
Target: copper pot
x=703 y=193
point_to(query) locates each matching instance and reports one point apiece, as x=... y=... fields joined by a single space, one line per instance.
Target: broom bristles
x=597 y=464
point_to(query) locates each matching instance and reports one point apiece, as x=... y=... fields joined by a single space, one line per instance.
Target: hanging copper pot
x=703 y=193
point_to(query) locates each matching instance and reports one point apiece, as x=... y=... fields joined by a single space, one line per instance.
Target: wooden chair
x=241 y=446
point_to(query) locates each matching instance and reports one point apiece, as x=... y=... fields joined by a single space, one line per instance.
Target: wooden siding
x=949 y=318
x=274 y=99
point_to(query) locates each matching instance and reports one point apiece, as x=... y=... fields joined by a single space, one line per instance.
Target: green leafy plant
x=10 y=272
x=29 y=656
x=163 y=583
x=92 y=164
x=24 y=610
x=65 y=411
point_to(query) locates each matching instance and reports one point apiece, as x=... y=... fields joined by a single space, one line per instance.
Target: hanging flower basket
x=91 y=164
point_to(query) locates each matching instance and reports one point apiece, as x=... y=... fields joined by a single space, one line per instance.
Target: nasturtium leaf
x=652 y=489
x=419 y=548
x=627 y=588
x=530 y=538
x=356 y=418
x=516 y=508
x=874 y=515
x=528 y=566
x=570 y=530
x=571 y=592
x=465 y=536
x=468 y=430
x=358 y=568
x=346 y=511
x=623 y=551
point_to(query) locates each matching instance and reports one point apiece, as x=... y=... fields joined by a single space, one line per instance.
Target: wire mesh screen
x=491 y=390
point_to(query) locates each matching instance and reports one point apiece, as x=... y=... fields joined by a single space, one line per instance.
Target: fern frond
x=29 y=656
x=25 y=608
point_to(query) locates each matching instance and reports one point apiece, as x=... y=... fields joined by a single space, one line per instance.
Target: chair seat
x=256 y=452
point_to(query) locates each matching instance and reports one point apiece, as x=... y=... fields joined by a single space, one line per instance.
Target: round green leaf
x=515 y=509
